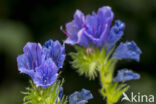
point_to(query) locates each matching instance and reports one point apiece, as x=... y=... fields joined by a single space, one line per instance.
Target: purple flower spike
x=126 y=75
x=128 y=50
x=46 y=74
x=31 y=58
x=90 y=29
x=80 y=97
x=54 y=50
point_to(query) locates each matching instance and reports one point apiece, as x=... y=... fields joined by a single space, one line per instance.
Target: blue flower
x=54 y=50
x=31 y=58
x=80 y=97
x=42 y=62
x=126 y=75
x=90 y=29
x=128 y=50
x=46 y=73
x=115 y=33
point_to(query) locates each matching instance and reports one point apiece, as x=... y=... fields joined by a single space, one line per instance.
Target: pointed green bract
x=84 y=62
x=87 y=60
x=39 y=95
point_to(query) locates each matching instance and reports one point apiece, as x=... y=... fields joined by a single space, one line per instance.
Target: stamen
x=65 y=32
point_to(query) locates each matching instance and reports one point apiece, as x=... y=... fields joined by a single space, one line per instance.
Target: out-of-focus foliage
x=12 y=36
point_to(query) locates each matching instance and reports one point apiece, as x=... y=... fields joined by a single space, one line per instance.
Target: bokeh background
x=39 y=20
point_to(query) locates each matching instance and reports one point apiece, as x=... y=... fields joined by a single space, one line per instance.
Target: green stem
x=104 y=84
x=109 y=102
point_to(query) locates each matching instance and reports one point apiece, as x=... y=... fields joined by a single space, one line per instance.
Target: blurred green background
x=39 y=20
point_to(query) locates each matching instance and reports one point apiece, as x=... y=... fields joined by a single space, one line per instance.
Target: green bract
x=89 y=61
x=39 y=95
x=85 y=62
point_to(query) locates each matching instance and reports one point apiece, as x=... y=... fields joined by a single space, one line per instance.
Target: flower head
x=80 y=97
x=46 y=73
x=42 y=62
x=126 y=75
x=128 y=50
x=54 y=50
x=90 y=29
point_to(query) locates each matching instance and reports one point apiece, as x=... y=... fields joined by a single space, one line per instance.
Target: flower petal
x=82 y=39
x=73 y=27
x=70 y=41
x=23 y=66
x=72 y=30
x=115 y=33
x=82 y=102
x=92 y=25
x=33 y=54
x=46 y=74
x=79 y=18
x=105 y=17
x=55 y=51
x=86 y=94
x=126 y=75
x=80 y=97
x=128 y=50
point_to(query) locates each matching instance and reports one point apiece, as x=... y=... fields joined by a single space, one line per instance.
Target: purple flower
x=115 y=33
x=42 y=63
x=126 y=75
x=80 y=97
x=94 y=30
x=31 y=58
x=54 y=50
x=46 y=73
x=90 y=29
x=128 y=50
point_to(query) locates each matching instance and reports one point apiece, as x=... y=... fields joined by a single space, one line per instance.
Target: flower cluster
x=42 y=63
x=96 y=38
x=80 y=97
x=95 y=30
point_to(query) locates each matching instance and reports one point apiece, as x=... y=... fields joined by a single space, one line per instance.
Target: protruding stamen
x=65 y=32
